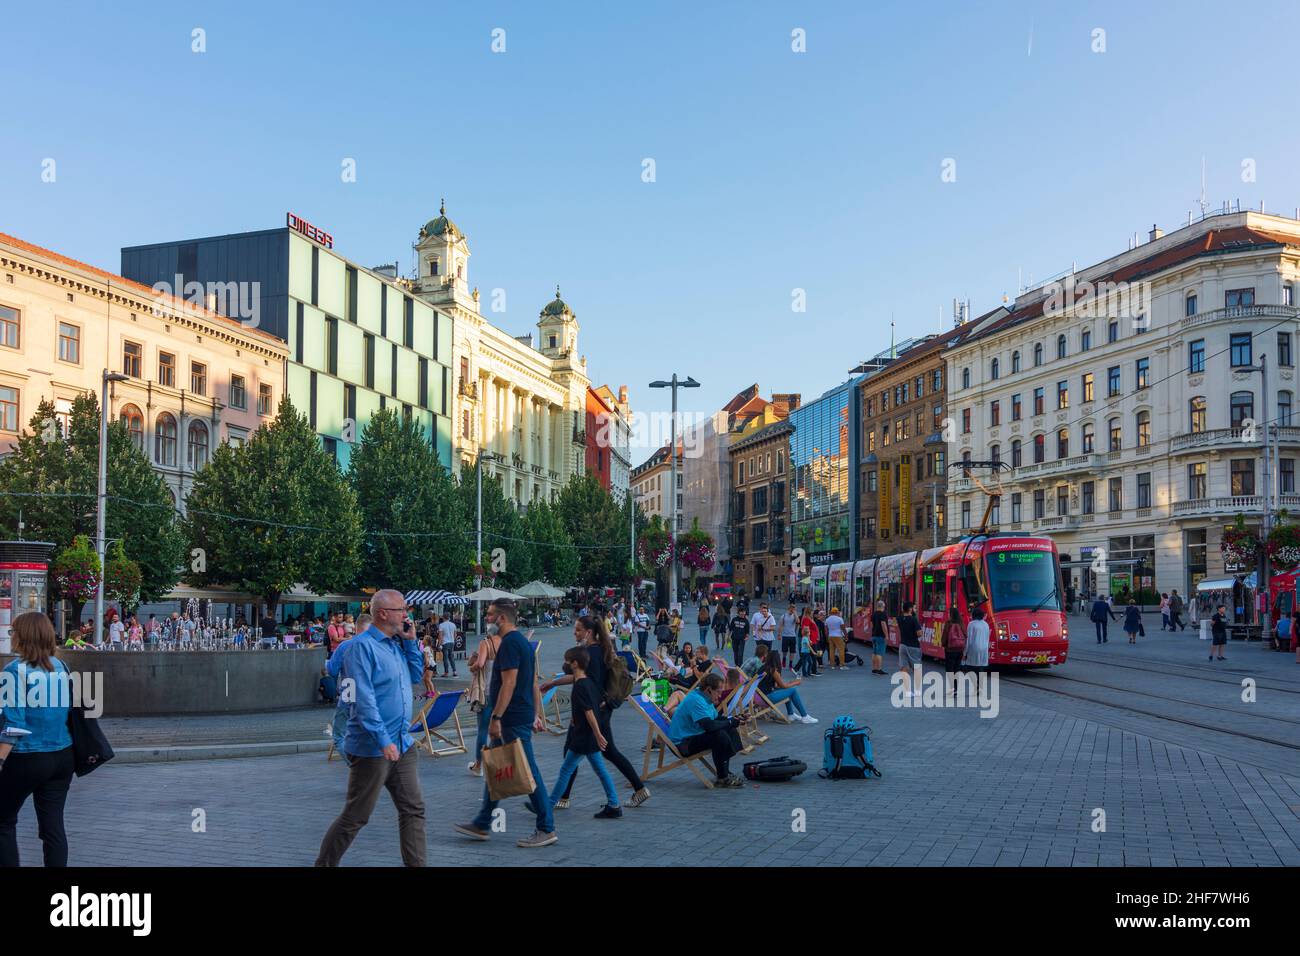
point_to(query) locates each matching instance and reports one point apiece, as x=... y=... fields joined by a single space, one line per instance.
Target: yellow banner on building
x=904 y=491
x=883 y=484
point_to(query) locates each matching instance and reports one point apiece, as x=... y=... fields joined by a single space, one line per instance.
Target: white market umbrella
x=539 y=589
x=492 y=594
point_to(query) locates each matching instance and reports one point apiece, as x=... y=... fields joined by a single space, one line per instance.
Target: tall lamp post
x=674 y=383
x=1264 y=569
x=102 y=495
x=478 y=536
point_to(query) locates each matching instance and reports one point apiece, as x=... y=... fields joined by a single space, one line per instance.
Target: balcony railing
x=1061 y=466
x=1240 y=312
x=1223 y=437
x=1230 y=505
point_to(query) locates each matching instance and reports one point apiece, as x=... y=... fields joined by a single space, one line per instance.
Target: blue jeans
x=791 y=697
x=704 y=634
x=570 y=767
x=805 y=665
x=480 y=741
x=537 y=800
x=339 y=728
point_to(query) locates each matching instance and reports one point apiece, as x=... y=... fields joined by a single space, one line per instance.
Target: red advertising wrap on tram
x=1016 y=579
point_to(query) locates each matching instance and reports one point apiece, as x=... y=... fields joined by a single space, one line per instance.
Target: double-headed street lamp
x=674 y=383
x=102 y=496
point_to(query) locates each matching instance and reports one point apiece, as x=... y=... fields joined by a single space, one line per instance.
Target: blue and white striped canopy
x=433 y=597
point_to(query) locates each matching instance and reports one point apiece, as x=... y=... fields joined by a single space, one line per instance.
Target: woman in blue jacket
x=1132 y=621
x=35 y=744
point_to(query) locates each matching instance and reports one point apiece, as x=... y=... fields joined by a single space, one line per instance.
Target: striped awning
x=433 y=597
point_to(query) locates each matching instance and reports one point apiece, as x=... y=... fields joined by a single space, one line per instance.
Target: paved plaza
x=1153 y=736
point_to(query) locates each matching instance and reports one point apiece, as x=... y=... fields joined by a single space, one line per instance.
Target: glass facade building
x=358 y=341
x=824 y=456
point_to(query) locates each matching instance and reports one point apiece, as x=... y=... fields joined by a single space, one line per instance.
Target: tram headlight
x=1004 y=630
x=1065 y=631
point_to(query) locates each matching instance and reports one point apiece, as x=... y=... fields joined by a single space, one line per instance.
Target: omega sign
x=311 y=232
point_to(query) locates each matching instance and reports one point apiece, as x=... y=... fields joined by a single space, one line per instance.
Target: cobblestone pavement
x=1154 y=736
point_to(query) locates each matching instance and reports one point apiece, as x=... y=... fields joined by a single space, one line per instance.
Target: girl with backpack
x=954 y=646
x=590 y=633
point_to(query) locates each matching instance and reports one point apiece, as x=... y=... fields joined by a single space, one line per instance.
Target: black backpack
x=774 y=770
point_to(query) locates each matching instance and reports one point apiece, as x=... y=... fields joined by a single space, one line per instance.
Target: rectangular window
x=1286 y=475
x=1087 y=387
x=995 y=413
x=1039 y=403
x=1243 y=477
x=1144 y=490
x=69 y=343
x=1239 y=344
x=1284 y=349
x=9 y=320
x=167 y=369
x=1239 y=298
x=1196 y=355
x=1196 y=480
x=1015 y=408
x=264 y=399
x=1015 y=508
x=1115 y=487
x=1089 y=498
x=1062 y=395
x=132 y=359
x=1112 y=331
x=1142 y=372
x=1112 y=381
x=965 y=514
x=238 y=392
x=198 y=378
x=1189 y=306
x=1063 y=499
x=8 y=409
x=1040 y=503
x=965 y=421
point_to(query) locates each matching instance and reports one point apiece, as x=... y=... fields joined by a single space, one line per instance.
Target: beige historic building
x=523 y=401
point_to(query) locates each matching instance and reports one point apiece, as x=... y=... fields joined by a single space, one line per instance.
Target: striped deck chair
x=735 y=706
x=657 y=732
x=433 y=713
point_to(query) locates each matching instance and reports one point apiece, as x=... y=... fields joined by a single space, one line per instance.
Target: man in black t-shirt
x=514 y=703
x=879 y=629
x=909 y=645
x=739 y=631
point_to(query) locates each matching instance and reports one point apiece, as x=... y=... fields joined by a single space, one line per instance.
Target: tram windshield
x=1024 y=581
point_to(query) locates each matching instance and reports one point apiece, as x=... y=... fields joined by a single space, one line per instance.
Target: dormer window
x=552 y=341
x=433 y=267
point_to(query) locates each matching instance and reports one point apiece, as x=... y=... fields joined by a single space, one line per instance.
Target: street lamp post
x=1263 y=573
x=101 y=496
x=674 y=383
x=478 y=537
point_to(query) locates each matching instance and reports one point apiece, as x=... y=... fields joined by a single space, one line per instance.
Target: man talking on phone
x=382 y=666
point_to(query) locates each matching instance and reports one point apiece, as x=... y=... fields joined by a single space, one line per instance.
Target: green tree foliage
x=507 y=558
x=599 y=529
x=412 y=517
x=274 y=513
x=52 y=478
x=556 y=559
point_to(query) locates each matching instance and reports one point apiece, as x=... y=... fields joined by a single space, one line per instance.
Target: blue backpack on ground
x=847 y=751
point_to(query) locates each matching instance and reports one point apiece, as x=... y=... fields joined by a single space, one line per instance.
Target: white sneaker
x=808 y=719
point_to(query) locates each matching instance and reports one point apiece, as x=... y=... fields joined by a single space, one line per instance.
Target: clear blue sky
x=775 y=170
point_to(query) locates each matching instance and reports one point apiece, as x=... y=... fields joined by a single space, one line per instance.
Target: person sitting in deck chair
x=696 y=726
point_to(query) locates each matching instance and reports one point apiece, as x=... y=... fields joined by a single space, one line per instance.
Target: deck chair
x=657 y=731
x=433 y=713
x=552 y=716
x=735 y=705
x=642 y=668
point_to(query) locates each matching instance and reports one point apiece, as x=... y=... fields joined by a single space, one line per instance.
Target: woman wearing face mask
x=591 y=633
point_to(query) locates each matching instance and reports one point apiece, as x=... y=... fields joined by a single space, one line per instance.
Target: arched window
x=1116 y=434
x=1284 y=408
x=1085 y=340
x=1015 y=453
x=1063 y=443
x=1196 y=414
x=164 y=441
x=198 y=445
x=1143 y=421
x=134 y=421
x=965 y=378
x=1242 y=405
x=1015 y=361
x=1087 y=437
x=1060 y=346
x=1040 y=449
x=1038 y=354
x=993 y=370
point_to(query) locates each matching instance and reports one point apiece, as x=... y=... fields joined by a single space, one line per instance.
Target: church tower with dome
x=520 y=404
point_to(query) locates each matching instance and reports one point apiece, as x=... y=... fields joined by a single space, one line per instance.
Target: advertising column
x=24 y=566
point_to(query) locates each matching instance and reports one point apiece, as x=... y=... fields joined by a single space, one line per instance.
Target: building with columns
x=523 y=401
x=1129 y=403
x=195 y=378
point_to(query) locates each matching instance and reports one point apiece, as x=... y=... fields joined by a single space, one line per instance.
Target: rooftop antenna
x=891 y=336
x=1203 y=204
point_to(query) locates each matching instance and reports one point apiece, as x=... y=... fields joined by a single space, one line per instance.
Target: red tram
x=1016 y=579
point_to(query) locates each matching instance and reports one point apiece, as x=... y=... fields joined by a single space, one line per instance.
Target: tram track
x=1196 y=673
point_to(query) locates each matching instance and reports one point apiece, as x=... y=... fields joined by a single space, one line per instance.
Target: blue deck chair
x=657 y=732
x=552 y=716
x=433 y=713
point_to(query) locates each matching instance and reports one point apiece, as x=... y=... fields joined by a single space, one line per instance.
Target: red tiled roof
x=181 y=305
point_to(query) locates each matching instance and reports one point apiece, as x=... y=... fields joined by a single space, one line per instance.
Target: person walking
x=1102 y=615
x=1132 y=621
x=1176 y=610
x=763 y=624
x=879 y=622
x=976 y=656
x=447 y=640
x=954 y=647
x=585 y=737
x=909 y=646
x=36 y=757
x=480 y=669
x=663 y=630
x=641 y=621
x=720 y=626
x=738 y=631
x=703 y=619
x=1164 y=611
x=835 y=639
x=515 y=705
x=384 y=664
x=590 y=634
x=809 y=631
x=1219 y=632
x=789 y=638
